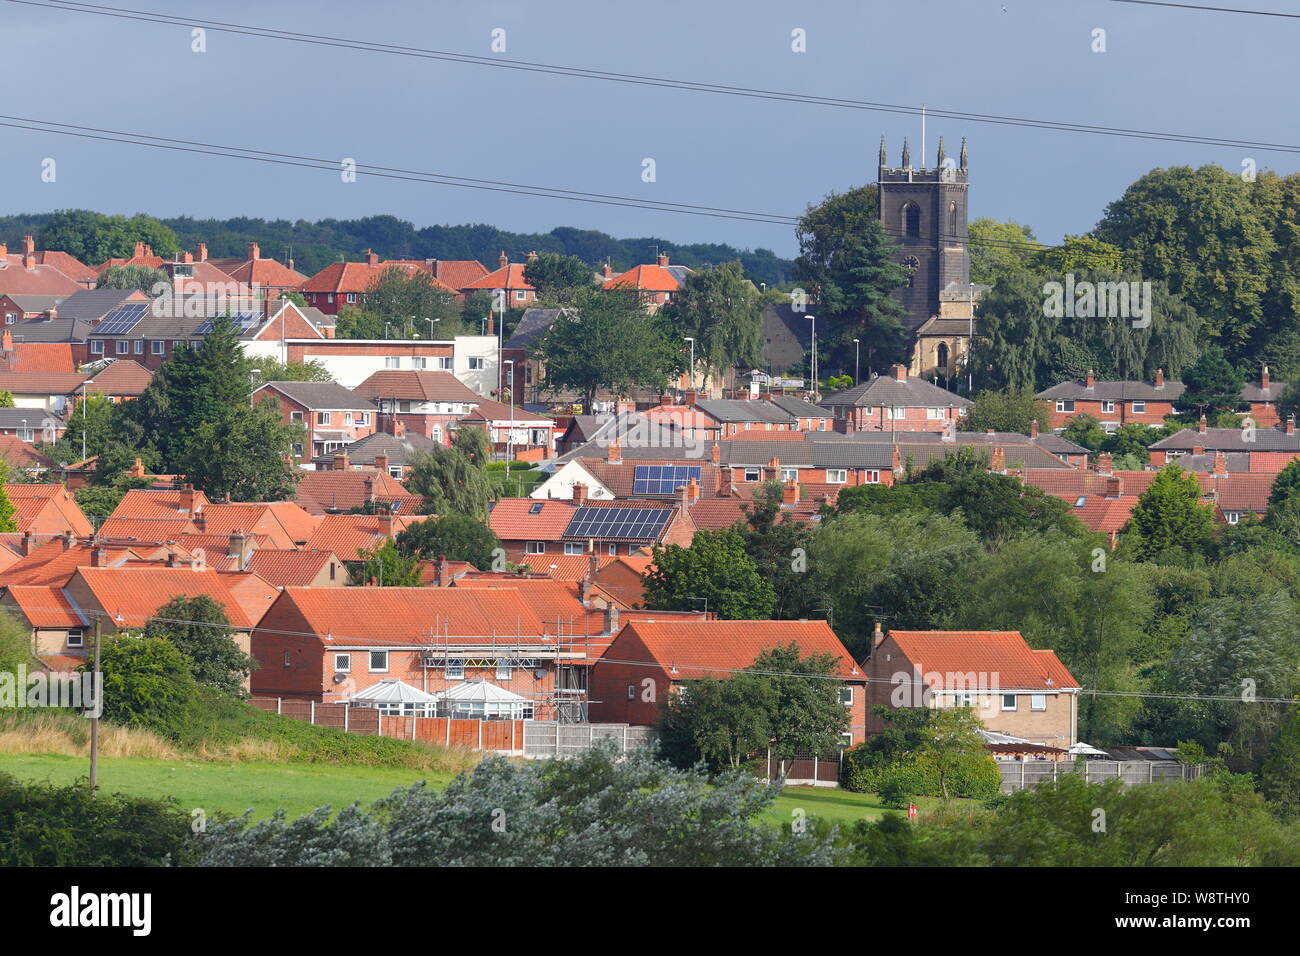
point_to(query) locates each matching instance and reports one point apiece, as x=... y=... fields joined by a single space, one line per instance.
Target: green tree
x=265 y=368
x=1085 y=430
x=556 y=277
x=94 y=237
x=722 y=311
x=407 y=299
x=608 y=341
x=722 y=722
x=1082 y=254
x=778 y=545
x=807 y=715
x=1170 y=517
x=147 y=683
x=450 y=482
x=8 y=523
x=999 y=250
x=1014 y=411
x=456 y=537
x=951 y=741
x=715 y=571
x=388 y=567
x=152 y=282
x=199 y=628
x=1213 y=385
x=6 y=399
x=1280 y=775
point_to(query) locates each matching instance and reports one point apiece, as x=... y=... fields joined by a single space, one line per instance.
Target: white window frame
x=1108 y=407
x=324 y=418
x=158 y=347
x=96 y=346
x=288 y=659
x=123 y=347
x=453 y=668
x=846 y=696
x=535 y=547
x=521 y=295
x=757 y=473
x=504 y=671
x=477 y=363
x=443 y=363
x=352 y=297
x=1065 y=404
x=846 y=740
x=343 y=663
x=419 y=363
x=76 y=637
x=1139 y=408
x=934 y=413
x=573 y=547
x=838 y=476
x=383 y=669
x=392 y=361
x=789 y=474
x=1015 y=703
x=1038 y=702
x=1232 y=517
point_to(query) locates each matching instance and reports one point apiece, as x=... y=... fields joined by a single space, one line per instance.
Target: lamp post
x=857 y=356
x=692 y=378
x=431 y=321
x=510 y=435
x=970 y=345
x=813 y=319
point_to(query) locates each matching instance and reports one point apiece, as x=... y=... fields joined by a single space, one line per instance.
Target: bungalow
x=1013 y=688
x=652 y=658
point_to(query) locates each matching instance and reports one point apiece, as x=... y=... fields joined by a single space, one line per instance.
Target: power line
x=1197 y=6
x=645 y=79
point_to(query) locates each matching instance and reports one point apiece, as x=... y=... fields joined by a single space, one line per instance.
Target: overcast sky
x=1209 y=74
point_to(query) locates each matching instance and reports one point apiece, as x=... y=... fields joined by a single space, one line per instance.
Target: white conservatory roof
x=481 y=690
x=390 y=690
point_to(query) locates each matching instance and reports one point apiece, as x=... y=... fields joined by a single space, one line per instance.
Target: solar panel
x=626 y=523
x=243 y=321
x=123 y=320
x=662 y=479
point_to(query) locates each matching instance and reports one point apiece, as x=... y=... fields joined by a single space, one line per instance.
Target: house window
x=1108 y=407
x=330 y=297
x=10 y=317
x=504 y=671
x=934 y=413
x=837 y=476
x=1008 y=701
x=323 y=418
x=573 y=547
x=331 y=570
x=477 y=363
x=361 y=418
x=158 y=347
x=751 y=474
x=379 y=662
x=846 y=740
x=521 y=295
x=139 y=346
x=419 y=363
x=288 y=659
x=613 y=550
x=1065 y=404
x=295 y=417
x=962 y=699
x=392 y=361
x=26 y=433
x=297 y=449
x=1232 y=516
x=897 y=411
x=846 y=696
x=352 y=297
x=535 y=547
x=76 y=637
x=177 y=345
x=872 y=478
x=789 y=474
x=343 y=662
x=442 y=363
x=97 y=347
x=395 y=471
x=123 y=347
x=454 y=668
x=631 y=691
x=1139 y=408
x=1038 y=702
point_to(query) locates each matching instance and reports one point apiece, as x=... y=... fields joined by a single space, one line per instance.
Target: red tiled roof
x=53 y=357
x=133 y=595
x=698 y=649
x=121 y=377
x=19 y=453
x=267 y=273
x=69 y=265
x=1004 y=657
x=1108 y=515
x=285 y=568
x=417 y=386
x=345 y=535
x=148 y=530
x=46 y=606
x=510 y=277
x=458 y=273
x=49 y=509
x=409 y=616
x=51 y=566
x=320 y=492
x=42 y=280
x=147 y=503
x=356 y=277
x=41 y=383
x=652 y=278
x=511 y=519
x=558 y=603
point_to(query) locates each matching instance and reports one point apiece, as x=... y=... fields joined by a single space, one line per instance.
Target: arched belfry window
x=912 y=220
x=952 y=220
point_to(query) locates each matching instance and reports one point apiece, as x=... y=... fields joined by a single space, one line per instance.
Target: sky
x=1203 y=73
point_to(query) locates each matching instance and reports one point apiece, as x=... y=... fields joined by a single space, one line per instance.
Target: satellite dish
x=539 y=673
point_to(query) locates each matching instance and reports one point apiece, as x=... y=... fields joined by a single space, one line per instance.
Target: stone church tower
x=924 y=210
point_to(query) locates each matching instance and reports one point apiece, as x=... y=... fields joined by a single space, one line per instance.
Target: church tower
x=924 y=211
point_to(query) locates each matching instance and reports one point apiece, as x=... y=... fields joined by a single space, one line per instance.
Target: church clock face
x=912 y=263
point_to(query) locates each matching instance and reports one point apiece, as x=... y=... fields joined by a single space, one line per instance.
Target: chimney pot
x=1092 y=381
x=1263 y=379
x=662 y=259
x=203 y=252
x=1160 y=378
x=1033 y=428
x=900 y=373
x=579 y=493
x=254 y=251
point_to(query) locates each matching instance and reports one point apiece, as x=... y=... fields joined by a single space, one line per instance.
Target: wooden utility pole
x=94 y=720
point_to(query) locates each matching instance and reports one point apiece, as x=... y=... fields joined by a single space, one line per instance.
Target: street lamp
x=692 y=341
x=813 y=319
x=857 y=354
x=431 y=321
x=970 y=345
x=510 y=435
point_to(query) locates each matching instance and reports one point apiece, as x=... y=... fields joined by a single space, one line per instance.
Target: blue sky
x=1202 y=73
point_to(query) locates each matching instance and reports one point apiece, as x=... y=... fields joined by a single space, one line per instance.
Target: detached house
x=896 y=402
x=333 y=416
x=1013 y=688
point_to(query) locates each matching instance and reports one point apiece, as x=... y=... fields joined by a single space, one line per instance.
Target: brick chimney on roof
x=662 y=259
x=1114 y=487
x=381 y=463
x=877 y=637
x=502 y=261
x=386 y=523
x=254 y=251
x=26 y=547
x=724 y=481
x=1201 y=428
x=1198 y=448
x=1033 y=428
x=4 y=250
x=1160 y=378
x=614 y=453
x=7 y=341
x=1090 y=381
x=772 y=470
x=606 y=272
x=186 y=503
x=1290 y=425
x=532 y=257
x=896 y=461
x=372 y=257
x=239 y=549
x=1263 y=379
x=137 y=469
x=187 y=257
x=29 y=262
x=69 y=539
x=341 y=461
x=715 y=453
x=29 y=245
x=1220 y=464
x=998 y=461
x=790 y=492
x=899 y=372
x=203 y=252
x=99 y=557
x=692 y=491
x=579 y=493
x=1105 y=463
x=138 y=251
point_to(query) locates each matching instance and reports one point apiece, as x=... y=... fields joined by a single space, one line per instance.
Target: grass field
x=230 y=787
x=233 y=787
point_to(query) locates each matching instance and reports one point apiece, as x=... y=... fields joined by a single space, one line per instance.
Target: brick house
x=333 y=416
x=651 y=658
x=507 y=278
x=1113 y=403
x=313 y=645
x=895 y=402
x=46 y=509
x=68 y=264
x=470 y=358
x=427 y=403
x=531 y=530
x=656 y=284
x=1269 y=448
x=1262 y=397
x=341 y=284
x=268 y=275
x=1013 y=688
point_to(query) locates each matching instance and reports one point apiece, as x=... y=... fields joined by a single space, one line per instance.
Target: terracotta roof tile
x=417 y=386
x=285 y=568
x=345 y=535
x=700 y=649
x=1004 y=657
x=322 y=492
x=46 y=606
x=133 y=595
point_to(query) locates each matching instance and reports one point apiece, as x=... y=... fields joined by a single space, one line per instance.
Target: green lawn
x=229 y=787
x=300 y=787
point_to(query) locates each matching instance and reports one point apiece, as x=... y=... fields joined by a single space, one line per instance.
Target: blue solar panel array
x=625 y=523
x=662 y=479
x=243 y=321
x=123 y=320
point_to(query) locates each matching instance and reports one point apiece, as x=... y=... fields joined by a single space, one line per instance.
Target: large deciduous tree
x=723 y=312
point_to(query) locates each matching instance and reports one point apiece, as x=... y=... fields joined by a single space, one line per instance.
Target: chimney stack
x=201 y=521
x=1114 y=487
x=611 y=620
x=341 y=461
x=772 y=470
x=579 y=493
x=1160 y=378
x=877 y=637
x=724 y=481
x=386 y=523
x=715 y=454
x=502 y=261
x=896 y=460
x=606 y=272
x=1091 y=381
x=172 y=559
x=254 y=251
x=1202 y=425
x=137 y=469
x=239 y=549
x=662 y=259
x=790 y=493
x=29 y=262
x=187 y=499
x=29 y=246
x=900 y=373
x=99 y=557
x=372 y=257
x=7 y=340
x=614 y=454
x=693 y=491
x=998 y=461
x=26 y=547
x=203 y=252
x=1105 y=463
x=440 y=572
x=381 y=463
x=1220 y=464
x=1290 y=425
x=1033 y=428
x=68 y=539
x=1263 y=379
